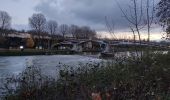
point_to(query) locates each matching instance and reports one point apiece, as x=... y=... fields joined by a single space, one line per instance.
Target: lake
x=15 y=65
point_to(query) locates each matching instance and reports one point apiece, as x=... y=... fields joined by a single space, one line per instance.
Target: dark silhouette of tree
x=134 y=15
x=5 y=20
x=84 y=32
x=163 y=13
x=38 y=23
x=52 y=28
x=149 y=12
x=110 y=25
x=140 y=15
x=87 y=32
x=64 y=29
x=74 y=30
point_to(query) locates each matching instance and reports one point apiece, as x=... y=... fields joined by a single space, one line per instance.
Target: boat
x=106 y=55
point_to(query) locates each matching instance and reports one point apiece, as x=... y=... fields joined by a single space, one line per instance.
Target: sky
x=79 y=12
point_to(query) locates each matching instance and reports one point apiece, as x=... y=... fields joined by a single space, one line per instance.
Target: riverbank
x=32 y=52
x=145 y=78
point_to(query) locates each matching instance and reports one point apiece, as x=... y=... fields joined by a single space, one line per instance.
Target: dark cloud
x=85 y=12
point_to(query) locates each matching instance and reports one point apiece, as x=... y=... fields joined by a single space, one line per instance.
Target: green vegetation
x=132 y=78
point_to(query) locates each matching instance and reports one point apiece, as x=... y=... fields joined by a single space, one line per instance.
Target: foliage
x=122 y=79
x=30 y=42
x=163 y=13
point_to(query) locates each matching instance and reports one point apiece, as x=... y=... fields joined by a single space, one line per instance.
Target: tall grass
x=130 y=78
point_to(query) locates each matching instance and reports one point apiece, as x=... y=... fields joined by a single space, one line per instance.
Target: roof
x=19 y=35
x=129 y=43
x=100 y=42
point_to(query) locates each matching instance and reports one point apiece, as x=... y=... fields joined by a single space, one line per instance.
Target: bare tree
x=5 y=20
x=140 y=15
x=150 y=8
x=38 y=23
x=64 y=29
x=77 y=32
x=52 y=28
x=73 y=29
x=135 y=16
x=134 y=36
x=110 y=25
x=87 y=32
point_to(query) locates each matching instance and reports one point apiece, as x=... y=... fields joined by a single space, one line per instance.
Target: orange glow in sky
x=129 y=35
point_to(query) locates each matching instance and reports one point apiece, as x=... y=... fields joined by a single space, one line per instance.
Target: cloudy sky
x=79 y=12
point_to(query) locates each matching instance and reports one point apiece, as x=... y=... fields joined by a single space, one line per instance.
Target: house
x=63 y=46
x=66 y=45
x=16 y=39
x=91 y=46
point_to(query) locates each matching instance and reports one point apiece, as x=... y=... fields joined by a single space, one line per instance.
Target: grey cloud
x=84 y=12
x=96 y=12
x=54 y=10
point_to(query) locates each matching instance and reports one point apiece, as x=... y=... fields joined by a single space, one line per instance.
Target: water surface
x=15 y=65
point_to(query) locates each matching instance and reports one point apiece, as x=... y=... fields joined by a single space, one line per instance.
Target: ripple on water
x=15 y=65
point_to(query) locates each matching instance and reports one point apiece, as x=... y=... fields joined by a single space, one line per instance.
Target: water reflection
x=12 y=65
x=15 y=65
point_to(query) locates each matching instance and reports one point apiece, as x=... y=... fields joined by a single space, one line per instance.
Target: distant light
x=21 y=47
x=40 y=47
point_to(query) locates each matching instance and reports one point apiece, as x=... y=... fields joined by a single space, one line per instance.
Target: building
x=91 y=46
x=65 y=45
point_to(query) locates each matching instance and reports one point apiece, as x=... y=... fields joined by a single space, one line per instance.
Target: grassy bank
x=145 y=78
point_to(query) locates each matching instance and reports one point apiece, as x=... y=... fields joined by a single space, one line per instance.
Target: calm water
x=15 y=65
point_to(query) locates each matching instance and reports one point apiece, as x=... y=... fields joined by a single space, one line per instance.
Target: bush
x=129 y=78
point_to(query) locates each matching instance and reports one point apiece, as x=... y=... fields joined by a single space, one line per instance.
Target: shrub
x=129 y=78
